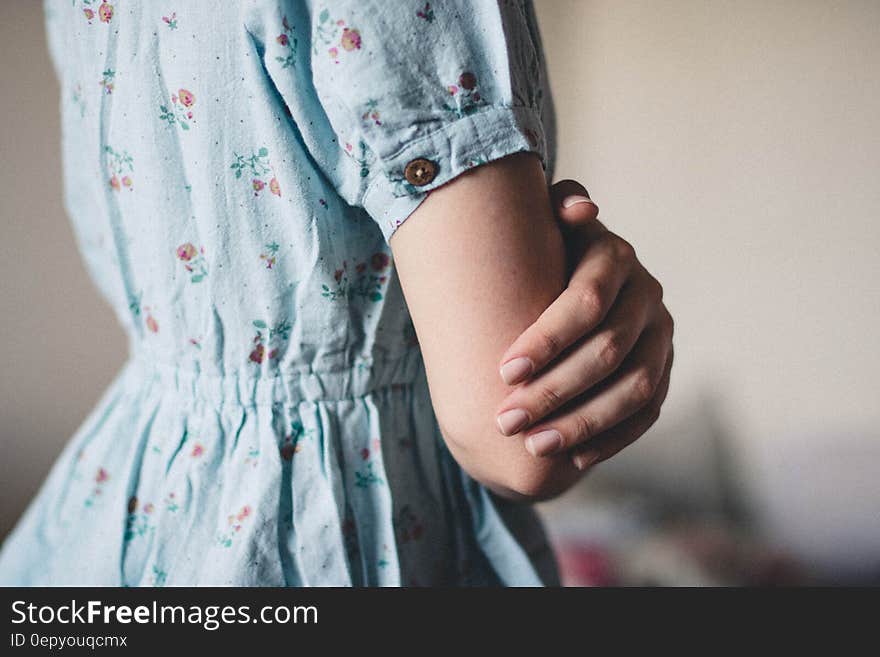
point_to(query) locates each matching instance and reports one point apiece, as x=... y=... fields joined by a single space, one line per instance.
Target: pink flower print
x=119 y=164
x=270 y=254
x=89 y=14
x=371 y=115
x=197 y=450
x=351 y=39
x=152 y=324
x=193 y=261
x=427 y=13
x=186 y=97
x=171 y=21
x=102 y=476
x=178 y=111
x=258 y=168
x=126 y=182
x=244 y=513
x=282 y=39
x=334 y=54
x=186 y=252
x=268 y=337
x=365 y=453
x=274 y=187
x=467 y=80
x=258 y=354
x=468 y=98
x=149 y=507
x=105 y=12
x=379 y=261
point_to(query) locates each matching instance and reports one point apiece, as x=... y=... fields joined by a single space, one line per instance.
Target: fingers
x=627 y=432
x=616 y=399
x=591 y=292
x=588 y=362
x=572 y=204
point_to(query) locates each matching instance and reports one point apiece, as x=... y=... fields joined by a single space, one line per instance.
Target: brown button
x=420 y=172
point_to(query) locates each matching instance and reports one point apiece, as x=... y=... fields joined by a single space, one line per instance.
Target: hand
x=599 y=358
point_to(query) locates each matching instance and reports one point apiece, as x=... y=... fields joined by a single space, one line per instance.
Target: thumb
x=572 y=205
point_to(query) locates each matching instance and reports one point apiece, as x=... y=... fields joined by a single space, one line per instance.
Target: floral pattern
x=101 y=478
x=253 y=457
x=91 y=9
x=466 y=98
x=293 y=441
x=365 y=283
x=193 y=261
x=426 y=13
x=288 y=42
x=234 y=523
x=371 y=116
x=340 y=37
x=139 y=521
x=137 y=310
x=363 y=159
x=180 y=111
x=107 y=80
x=257 y=165
x=171 y=237
x=267 y=340
x=367 y=476
x=120 y=164
x=269 y=254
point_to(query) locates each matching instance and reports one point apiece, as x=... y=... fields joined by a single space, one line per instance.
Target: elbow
x=541 y=481
x=508 y=469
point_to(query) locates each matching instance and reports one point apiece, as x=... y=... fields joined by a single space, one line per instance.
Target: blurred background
x=737 y=146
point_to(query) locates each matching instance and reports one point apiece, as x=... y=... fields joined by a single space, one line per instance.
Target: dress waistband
x=281 y=388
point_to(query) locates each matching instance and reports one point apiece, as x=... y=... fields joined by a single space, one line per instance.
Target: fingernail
x=512 y=421
x=544 y=442
x=568 y=201
x=585 y=460
x=514 y=371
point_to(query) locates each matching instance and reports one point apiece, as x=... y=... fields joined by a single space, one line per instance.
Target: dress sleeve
x=411 y=93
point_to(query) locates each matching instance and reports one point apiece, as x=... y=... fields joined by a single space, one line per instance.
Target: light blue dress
x=233 y=171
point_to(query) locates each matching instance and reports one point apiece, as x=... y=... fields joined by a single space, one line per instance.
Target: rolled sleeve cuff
x=458 y=146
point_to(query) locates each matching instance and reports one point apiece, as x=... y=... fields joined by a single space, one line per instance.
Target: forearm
x=479 y=261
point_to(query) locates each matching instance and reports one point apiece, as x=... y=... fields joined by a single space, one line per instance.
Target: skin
x=561 y=292
x=601 y=355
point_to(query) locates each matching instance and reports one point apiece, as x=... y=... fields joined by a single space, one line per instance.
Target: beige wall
x=735 y=144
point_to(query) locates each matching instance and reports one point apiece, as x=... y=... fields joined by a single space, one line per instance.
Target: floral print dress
x=233 y=172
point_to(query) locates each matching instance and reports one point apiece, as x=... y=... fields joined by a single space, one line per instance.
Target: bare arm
x=479 y=260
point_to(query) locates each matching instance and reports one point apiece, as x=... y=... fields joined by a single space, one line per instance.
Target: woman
x=240 y=176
